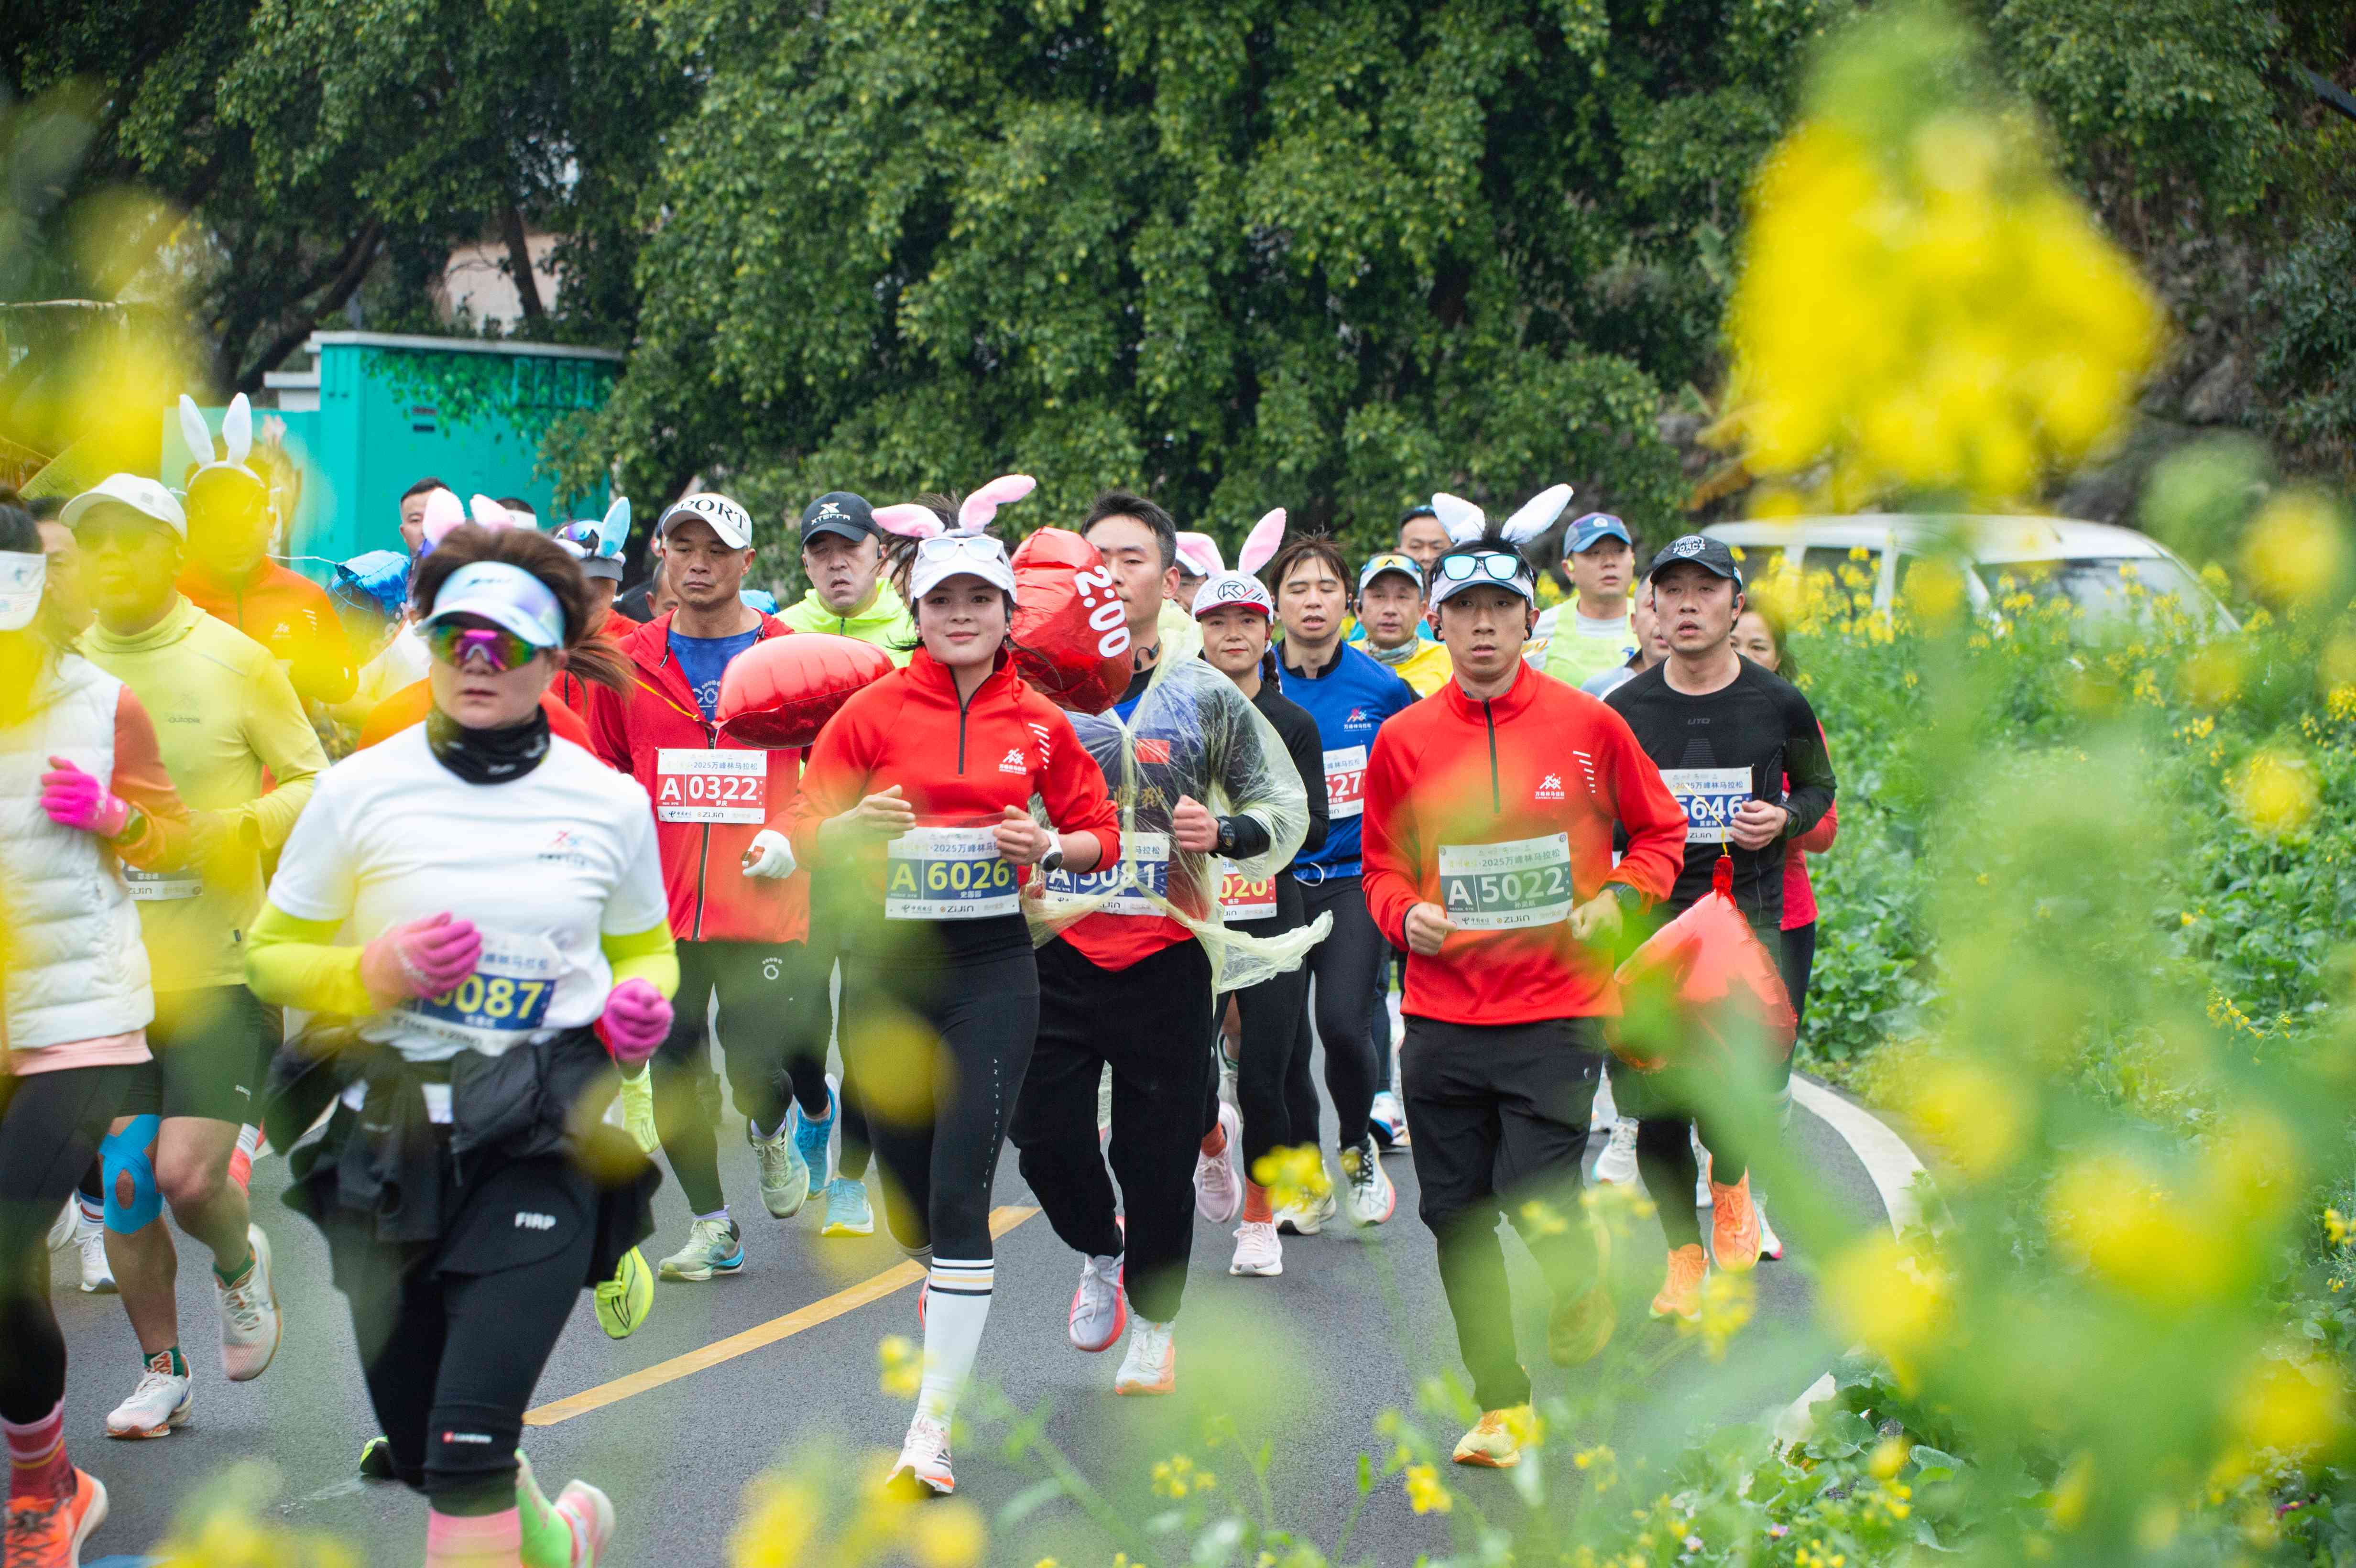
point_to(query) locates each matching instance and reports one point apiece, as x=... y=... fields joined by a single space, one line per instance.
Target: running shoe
x=49 y=1534
x=376 y=1460
x=1582 y=1324
x=1219 y=1177
x=1373 y=1198
x=1387 y=1122
x=66 y=1226
x=814 y=1140
x=637 y=1102
x=1702 y=1194
x=90 y=1238
x=570 y=1532
x=1152 y=1364
x=1494 y=1443
x=784 y=1175
x=1680 y=1293
x=1259 y=1250
x=1099 y=1306
x=241 y=1171
x=1771 y=1246
x=1734 y=1226
x=1616 y=1166
x=249 y=1314
x=160 y=1403
x=1308 y=1218
x=1604 y=1113
x=624 y=1301
x=848 y=1213
x=713 y=1246
x=924 y=1463
x=590 y=1512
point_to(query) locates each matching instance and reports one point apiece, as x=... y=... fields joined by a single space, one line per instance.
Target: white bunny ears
x=237 y=433
x=910 y=520
x=1260 y=544
x=1466 y=522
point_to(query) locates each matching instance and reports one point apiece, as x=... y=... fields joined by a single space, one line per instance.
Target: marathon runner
x=1488 y=830
x=1351 y=696
x=1198 y=773
x=1591 y=634
x=505 y=902
x=1741 y=749
x=737 y=908
x=1391 y=629
x=413 y=514
x=1236 y=613
x=83 y=793
x=920 y=788
x=1421 y=538
x=226 y=715
x=1651 y=646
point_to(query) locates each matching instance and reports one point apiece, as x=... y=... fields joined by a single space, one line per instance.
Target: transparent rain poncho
x=1201 y=737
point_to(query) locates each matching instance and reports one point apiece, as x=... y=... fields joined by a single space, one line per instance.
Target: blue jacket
x=1349 y=698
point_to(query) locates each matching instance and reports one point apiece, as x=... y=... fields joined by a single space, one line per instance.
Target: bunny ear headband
x=237 y=438
x=1260 y=544
x=1467 y=524
x=601 y=540
x=912 y=521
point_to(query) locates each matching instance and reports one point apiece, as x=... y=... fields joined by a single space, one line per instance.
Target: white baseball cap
x=732 y=522
x=148 y=498
x=945 y=555
x=1225 y=588
x=22 y=575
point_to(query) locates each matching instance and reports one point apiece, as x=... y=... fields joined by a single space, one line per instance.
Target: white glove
x=770 y=856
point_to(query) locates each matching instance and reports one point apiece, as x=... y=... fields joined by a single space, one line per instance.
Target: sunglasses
x=964 y=547
x=1495 y=566
x=501 y=650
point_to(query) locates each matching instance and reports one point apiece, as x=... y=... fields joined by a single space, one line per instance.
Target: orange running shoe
x=49 y=1532
x=1681 y=1293
x=1733 y=1226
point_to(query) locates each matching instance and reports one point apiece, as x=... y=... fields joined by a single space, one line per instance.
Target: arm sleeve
x=296 y=964
x=1309 y=761
x=1807 y=764
x=161 y=836
x=1257 y=775
x=283 y=738
x=1389 y=848
x=1074 y=790
x=1649 y=815
x=649 y=955
x=1820 y=839
x=832 y=780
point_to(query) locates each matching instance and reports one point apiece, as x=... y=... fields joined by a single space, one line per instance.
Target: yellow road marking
x=899 y=1276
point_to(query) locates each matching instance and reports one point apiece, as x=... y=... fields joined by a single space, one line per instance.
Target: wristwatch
x=1053 y=860
x=1227 y=835
x=1630 y=901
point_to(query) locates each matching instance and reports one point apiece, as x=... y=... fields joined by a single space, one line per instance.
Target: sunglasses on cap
x=453 y=642
x=1496 y=565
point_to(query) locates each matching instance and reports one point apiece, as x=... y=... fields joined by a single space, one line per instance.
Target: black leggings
x=1270 y=1014
x=50 y=1124
x=1798 y=956
x=938 y=1166
x=1344 y=966
x=812 y=1026
x=760 y=985
x=1671 y=1106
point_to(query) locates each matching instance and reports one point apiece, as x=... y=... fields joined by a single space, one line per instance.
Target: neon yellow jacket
x=885 y=623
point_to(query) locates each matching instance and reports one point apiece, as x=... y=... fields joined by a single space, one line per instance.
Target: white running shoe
x=1702 y=1199
x=1372 y=1197
x=925 y=1455
x=63 y=1228
x=1259 y=1250
x=249 y=1316
x=714 y=1245
x=1100 y=1307
x=97 y=1273
x=591 y=1513
x=1152 y=1364
x=1617 y=1164
x=1218 y=1178
x=1306 y=1219
x=1388 y=1121
x=784 y=1174
x=1606 y=1111
x=160 y=1403
x=1771 y=1246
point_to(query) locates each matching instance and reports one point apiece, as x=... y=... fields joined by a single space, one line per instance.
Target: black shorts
x=208 y=1042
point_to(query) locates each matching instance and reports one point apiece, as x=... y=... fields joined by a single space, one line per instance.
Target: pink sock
x=38 y=1466
x=482 y=1540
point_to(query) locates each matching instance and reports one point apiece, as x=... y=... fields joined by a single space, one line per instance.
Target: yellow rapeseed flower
x=1727 y=1301
x=1897 y=1302
x=1889 y=1458
x=2296 y=548
x=902 y=1366
x=781 y=1515
x=946 y=1534
x=2295 y=1406
x=1976 y=1116
x=1294 y=1176
x=1424 y=1492
x=2274 y=793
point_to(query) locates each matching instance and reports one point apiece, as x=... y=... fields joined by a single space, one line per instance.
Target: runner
x=1140 y=943
x=942 y=759
x=1421 y=539
x=1591 y=634
x=413 y=514
x=504 y=895
x=842 y=556
x=1652 y=647
x=225 y=714
x=83 y=792
x=1489 y=822
x=1235 y=615
x=1729 y=737
x=1350 y=695
x=1391 y=629
x=738 y=910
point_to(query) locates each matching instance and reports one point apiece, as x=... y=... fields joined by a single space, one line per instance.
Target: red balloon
x=1712 y=983
x=779 y=693
x=1071 y=634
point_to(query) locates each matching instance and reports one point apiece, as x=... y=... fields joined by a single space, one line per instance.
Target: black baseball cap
x=1711 y=555
x=840 y=512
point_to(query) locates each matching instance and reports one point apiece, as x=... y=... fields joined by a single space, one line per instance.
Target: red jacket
x=958 y=765
x=1541 y=760
x=653 y=734
x=286 y=613
x=570 y=689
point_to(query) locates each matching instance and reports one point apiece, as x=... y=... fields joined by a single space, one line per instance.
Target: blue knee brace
x=125 y=1155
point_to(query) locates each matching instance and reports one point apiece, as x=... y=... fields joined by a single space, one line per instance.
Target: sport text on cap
x=1711 y=555
x=732 y=522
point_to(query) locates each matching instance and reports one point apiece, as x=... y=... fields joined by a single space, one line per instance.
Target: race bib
x=162 y=887
x=1345 y=781
x=946 y=873
x=1245 y=898
x=692 y=786
x=1152 y=876
x=504 y=998
x=1711 y=796
x=1512 y=886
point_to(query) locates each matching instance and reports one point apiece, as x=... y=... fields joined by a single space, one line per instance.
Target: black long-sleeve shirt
x=1297 y=730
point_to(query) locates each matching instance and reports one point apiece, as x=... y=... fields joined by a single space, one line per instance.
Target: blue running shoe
x=813 y=1139
x=847 y=1209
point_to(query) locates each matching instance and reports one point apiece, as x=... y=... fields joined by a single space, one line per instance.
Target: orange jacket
x=288 y=614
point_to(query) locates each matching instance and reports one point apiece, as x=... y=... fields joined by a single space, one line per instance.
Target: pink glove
x=636 y=1018
x=423 y=958
x=76 y=799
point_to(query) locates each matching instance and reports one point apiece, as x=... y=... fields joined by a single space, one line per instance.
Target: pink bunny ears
x=444 y=512
x=1260 y=544
x=910 y=520
x=1466 y=522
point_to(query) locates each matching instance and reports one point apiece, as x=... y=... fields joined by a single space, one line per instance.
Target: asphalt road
x=1309 y=1359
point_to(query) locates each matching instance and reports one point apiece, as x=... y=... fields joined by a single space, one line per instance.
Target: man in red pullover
x=1487 y=842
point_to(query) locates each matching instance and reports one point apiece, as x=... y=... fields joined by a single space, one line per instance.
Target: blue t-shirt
x=1349 y=698
x=702 y=660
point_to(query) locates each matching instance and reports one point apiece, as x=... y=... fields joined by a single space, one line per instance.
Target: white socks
x=957 y=1305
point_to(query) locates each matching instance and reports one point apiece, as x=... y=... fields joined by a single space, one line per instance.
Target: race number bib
x=1245 y=898
x=500 y=1004
x=162 y=887
x=694 y=786
x=1345 y=781
x=1512 y=886
x=946 y=873
x=1711 y=796
x=1152 y=876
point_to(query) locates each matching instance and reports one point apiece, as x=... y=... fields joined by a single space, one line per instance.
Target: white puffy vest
x=76 y=967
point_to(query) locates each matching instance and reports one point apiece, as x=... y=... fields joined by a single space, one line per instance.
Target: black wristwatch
x=1053 y=860
x=1630 y=901
x=1227 y=835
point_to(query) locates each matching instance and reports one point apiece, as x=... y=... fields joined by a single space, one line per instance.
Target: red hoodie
x=706 y=809
x=1495 y=781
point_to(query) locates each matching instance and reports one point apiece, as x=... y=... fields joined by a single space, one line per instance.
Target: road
x=1309 y=1359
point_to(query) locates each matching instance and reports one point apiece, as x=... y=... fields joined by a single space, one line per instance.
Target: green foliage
x=2308 y=363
